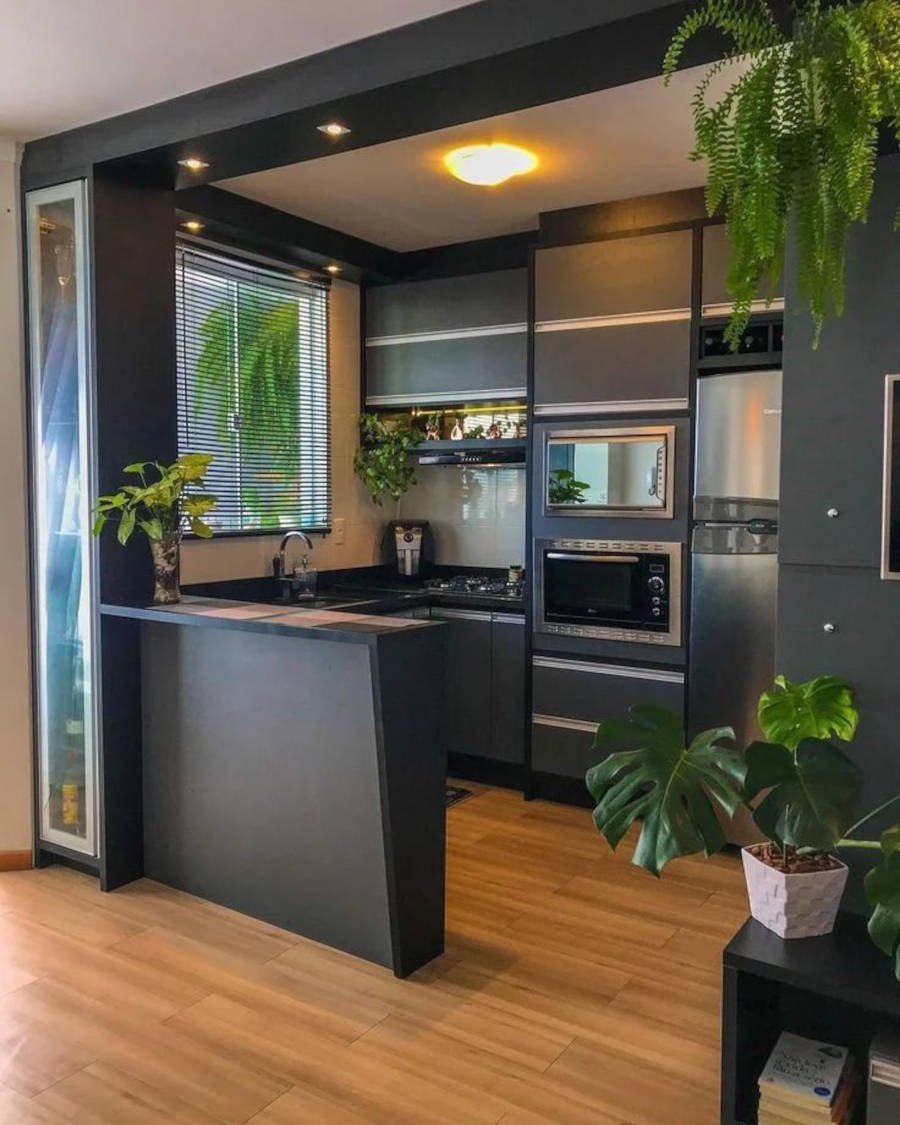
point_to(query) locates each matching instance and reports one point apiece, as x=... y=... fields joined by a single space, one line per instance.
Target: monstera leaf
x=814 y=792
x=883 y=893
x=818 y=708
x=654 y=777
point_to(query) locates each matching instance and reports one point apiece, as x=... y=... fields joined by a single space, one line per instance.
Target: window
x=253 y=390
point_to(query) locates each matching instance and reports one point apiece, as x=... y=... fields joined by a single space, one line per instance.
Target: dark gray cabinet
x=569 y=697
x=485 y=683
x=508 y=687
x=613 y=324
x=833 y=402
x=448 y=339
x=716 y=300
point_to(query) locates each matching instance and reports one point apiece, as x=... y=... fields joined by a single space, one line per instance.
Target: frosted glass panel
x=64 y=604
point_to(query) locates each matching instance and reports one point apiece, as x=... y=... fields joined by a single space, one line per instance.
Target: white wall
x=363 y=522
x=15 y=705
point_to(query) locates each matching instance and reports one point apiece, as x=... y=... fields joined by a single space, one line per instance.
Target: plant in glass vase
x=168 y=499
x=802 y=790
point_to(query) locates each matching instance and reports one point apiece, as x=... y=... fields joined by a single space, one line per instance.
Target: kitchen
x=486 y=472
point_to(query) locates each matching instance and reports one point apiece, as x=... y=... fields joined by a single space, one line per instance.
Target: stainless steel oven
x=615 y=590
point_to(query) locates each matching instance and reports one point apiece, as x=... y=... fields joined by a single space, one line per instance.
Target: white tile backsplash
x=477 y=515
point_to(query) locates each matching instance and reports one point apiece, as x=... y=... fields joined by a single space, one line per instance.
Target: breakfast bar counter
x=294 y=768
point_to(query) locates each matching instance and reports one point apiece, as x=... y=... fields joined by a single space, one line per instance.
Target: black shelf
x=839 y=988
x=469 y=445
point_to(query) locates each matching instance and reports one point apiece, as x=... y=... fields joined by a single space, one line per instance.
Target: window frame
x=243 y=257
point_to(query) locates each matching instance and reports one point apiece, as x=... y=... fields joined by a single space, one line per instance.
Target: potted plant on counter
x=168 y=499
x=802 y=790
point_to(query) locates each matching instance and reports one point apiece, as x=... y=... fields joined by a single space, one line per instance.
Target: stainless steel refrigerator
x=734 y=554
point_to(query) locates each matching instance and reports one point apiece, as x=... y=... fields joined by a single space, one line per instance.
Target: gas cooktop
x=475 y=585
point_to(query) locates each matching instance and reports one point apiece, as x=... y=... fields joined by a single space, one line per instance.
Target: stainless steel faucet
x=284 y=542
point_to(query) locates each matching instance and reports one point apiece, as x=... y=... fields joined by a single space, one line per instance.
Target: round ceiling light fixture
x=489 y=164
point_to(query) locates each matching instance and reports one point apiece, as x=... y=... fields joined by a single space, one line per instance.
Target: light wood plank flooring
x=575 y=990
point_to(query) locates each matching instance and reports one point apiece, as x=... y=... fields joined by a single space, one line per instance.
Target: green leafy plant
x=167 y=499
x=802 y=790
x=563 y=488
x=382 y=460
x=249 y=368
x=793 y=139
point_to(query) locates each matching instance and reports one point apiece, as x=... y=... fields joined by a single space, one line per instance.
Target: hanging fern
x=794 y=138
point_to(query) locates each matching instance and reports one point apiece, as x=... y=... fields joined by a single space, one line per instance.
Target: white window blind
x=253 y=390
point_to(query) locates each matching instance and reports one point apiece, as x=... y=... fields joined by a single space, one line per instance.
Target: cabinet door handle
x=461 y=614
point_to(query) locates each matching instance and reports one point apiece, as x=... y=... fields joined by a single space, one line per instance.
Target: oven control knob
x=655 y=611
x=656 y=584
x=656 y=601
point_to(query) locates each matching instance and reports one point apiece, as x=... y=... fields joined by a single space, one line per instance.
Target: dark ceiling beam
x=244 y=222
x=493 y=57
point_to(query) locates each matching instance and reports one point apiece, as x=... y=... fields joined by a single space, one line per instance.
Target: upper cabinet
x=447 y=340
x=613 y=325
x=715 y=299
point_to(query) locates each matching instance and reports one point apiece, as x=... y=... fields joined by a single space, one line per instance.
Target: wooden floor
x=576 y=990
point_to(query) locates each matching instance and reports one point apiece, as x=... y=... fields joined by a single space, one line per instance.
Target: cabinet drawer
x=562 y=746
x=642 y=365
x=588 y=692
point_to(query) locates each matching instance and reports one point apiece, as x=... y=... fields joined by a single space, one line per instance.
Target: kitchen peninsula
x=294 y=767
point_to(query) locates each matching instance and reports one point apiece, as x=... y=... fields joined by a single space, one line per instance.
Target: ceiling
x=614 y=144
x=65 y=63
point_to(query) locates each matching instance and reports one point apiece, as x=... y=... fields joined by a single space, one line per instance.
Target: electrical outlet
x=337 y=530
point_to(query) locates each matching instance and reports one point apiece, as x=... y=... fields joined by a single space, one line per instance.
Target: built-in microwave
x=615 y=590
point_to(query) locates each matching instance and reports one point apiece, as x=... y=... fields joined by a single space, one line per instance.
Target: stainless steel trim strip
x=619 y=670
x=622 y=406
x=568 y=556
x=562 y=723
x=723 y=308
x=886 y=498
x=462 y=614
x=613 y=320
x=509 y=618
x=452 y=397
x=446 y=334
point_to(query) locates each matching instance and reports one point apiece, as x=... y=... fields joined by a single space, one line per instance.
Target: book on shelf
x=807 y=1082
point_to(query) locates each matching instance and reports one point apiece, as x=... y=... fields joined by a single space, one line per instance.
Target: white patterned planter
x=793 y=906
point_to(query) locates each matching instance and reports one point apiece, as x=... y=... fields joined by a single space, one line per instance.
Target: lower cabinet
x=485 y=683
x=570 y=697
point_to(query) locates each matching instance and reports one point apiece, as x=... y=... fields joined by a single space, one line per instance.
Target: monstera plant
x=793 y=139
x=802 y=790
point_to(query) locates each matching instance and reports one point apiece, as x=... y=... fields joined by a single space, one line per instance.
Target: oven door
x=593 y=588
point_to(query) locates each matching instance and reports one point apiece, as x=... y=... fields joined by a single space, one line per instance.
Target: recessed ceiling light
x=333 y=129
x=333 y=269
x=194 y=163
x=193 y=226
x=489 y=164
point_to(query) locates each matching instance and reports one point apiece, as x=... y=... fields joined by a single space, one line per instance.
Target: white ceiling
x=628 y=141
x=65 y=63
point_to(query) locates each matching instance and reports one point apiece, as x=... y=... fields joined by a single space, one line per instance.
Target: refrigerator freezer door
x=732 y=657
x=738 y=435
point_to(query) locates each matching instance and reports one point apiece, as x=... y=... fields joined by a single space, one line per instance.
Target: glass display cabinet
x=65 y=610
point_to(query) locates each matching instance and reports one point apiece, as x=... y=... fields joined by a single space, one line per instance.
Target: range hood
x=498 y=454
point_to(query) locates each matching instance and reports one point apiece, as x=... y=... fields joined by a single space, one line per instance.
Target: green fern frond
x=792 y=142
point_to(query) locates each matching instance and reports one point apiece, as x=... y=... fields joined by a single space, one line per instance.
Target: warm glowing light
x=194 y=163
x=333 y=129
x=333 y=269
x=489 y=164
x=193 y=226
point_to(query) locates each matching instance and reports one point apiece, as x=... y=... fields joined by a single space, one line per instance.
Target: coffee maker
x=408 y=547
